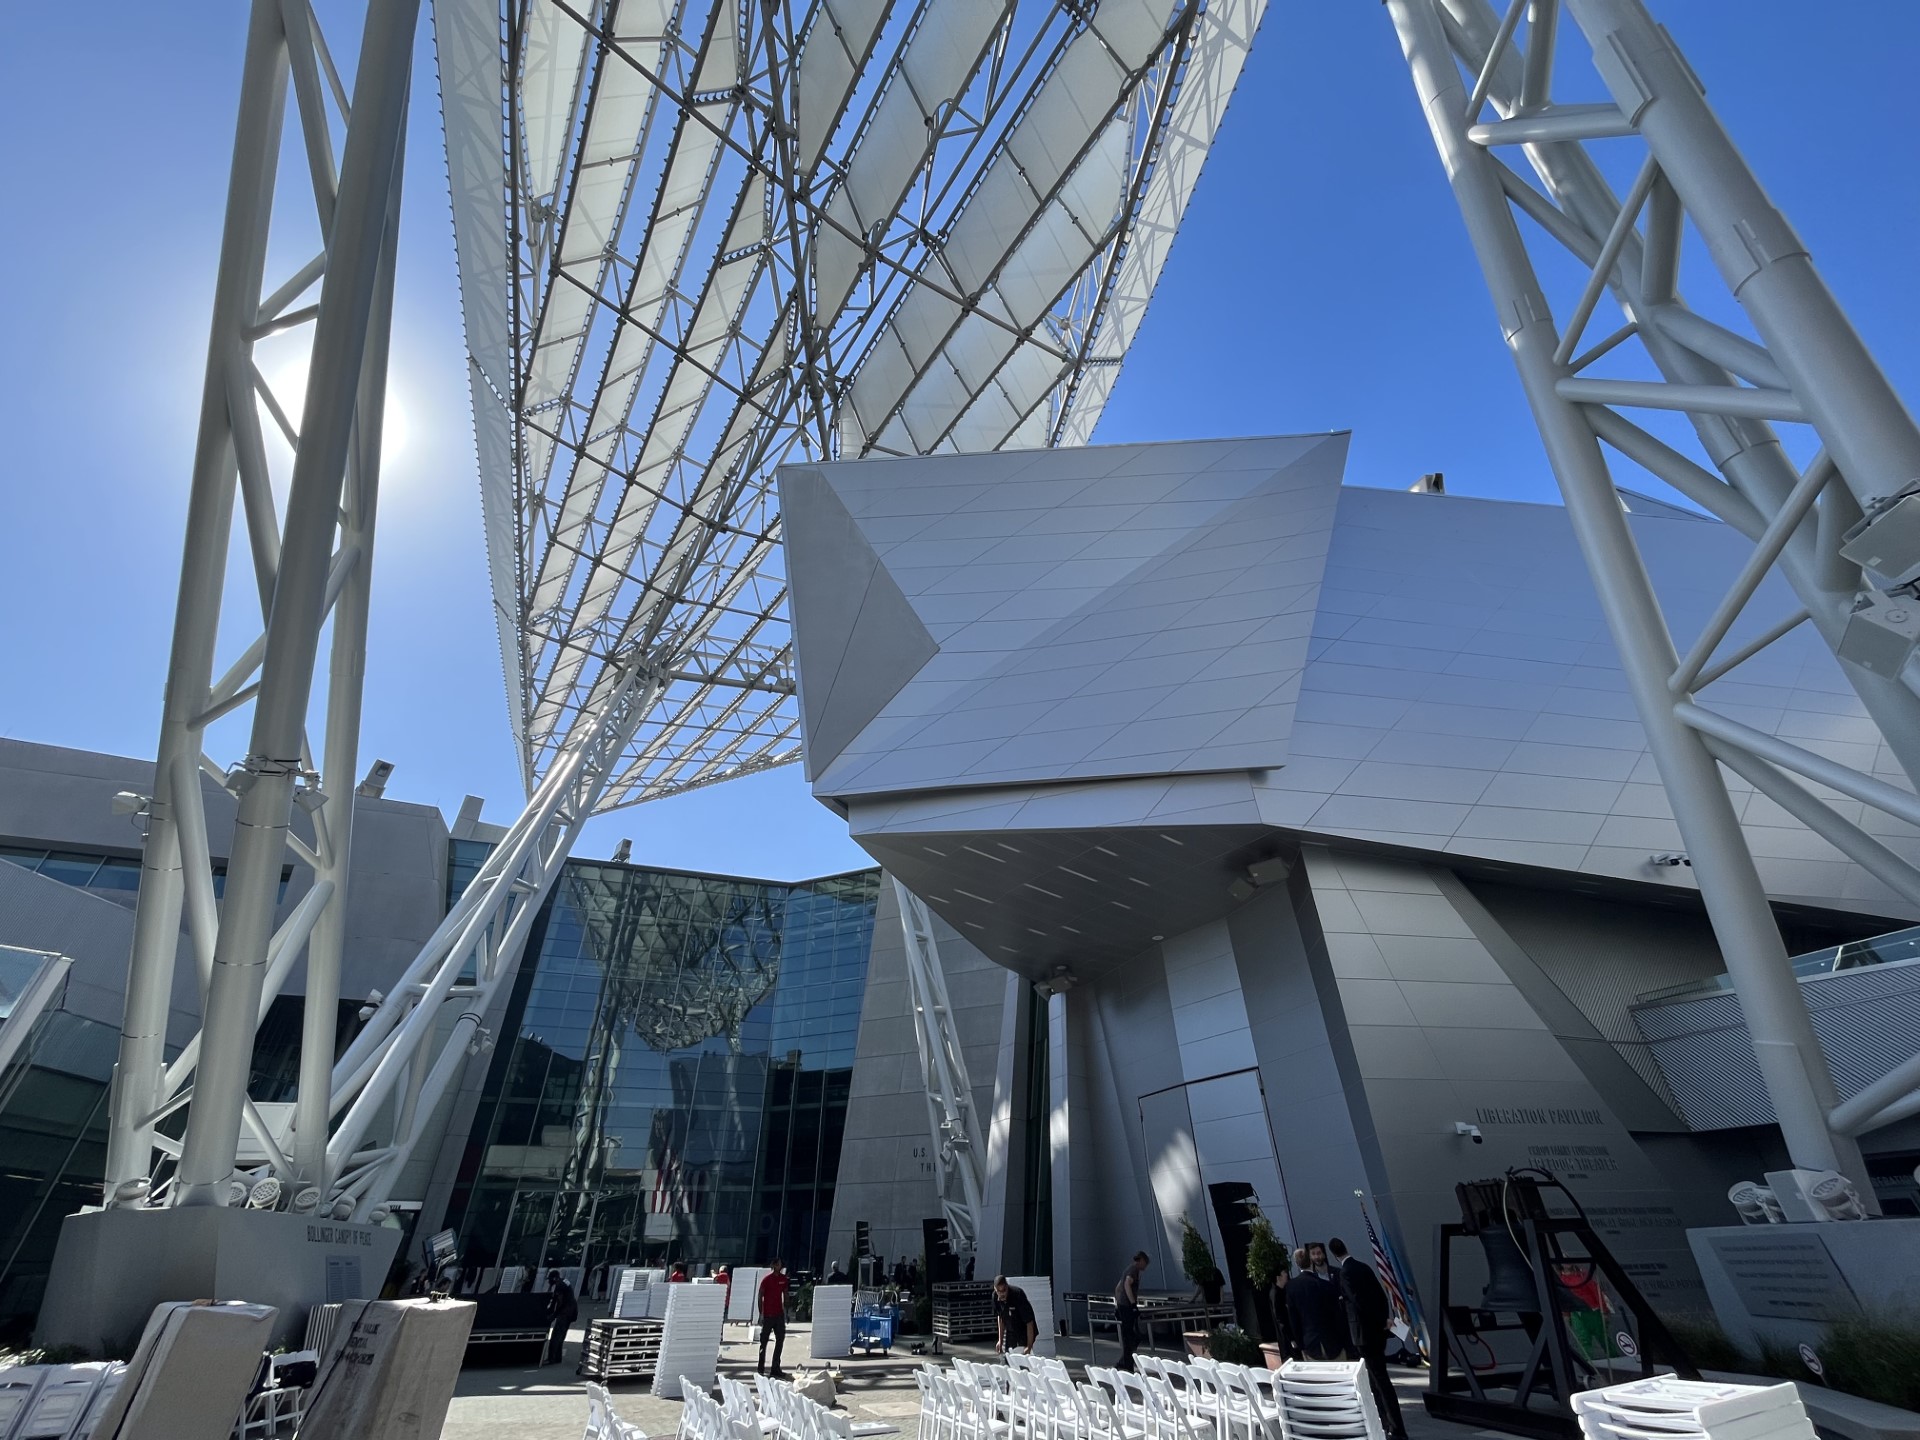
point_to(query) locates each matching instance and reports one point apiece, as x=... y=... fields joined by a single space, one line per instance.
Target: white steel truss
x=959 y=1165
x=311 y=566
x=738 y=234
x=699 y=239
x=1486 y=82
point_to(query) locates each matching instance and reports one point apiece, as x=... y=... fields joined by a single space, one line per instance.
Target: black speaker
x=942 y=1264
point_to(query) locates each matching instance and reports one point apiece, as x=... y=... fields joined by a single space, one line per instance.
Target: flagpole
x=1398 y=1283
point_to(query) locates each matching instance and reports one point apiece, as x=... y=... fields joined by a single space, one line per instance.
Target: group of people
x=1333 y=1307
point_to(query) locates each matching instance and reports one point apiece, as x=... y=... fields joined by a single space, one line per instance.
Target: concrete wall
x=1205 y=1061
x=1434 y=1031
x=62 y=798
x=887 y=1163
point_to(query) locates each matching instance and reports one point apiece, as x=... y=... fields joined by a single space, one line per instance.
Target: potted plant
x=1267 y=1261
x=1230 y=1345
x=1196 y=1258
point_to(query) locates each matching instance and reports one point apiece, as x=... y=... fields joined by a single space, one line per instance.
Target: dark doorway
x=1232 y=1214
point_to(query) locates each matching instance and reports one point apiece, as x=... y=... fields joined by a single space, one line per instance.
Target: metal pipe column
x=203 y=572
x=299 y=599
x=1860 y=418
x=1784 y=1043
x=340 y=762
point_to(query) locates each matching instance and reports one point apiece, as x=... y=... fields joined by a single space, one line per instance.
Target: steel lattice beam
x=1486 y=85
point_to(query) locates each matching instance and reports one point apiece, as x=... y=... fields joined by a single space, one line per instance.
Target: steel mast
x=1485 y=83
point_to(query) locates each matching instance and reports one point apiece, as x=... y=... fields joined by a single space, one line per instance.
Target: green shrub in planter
x=1230 y=1345
x=1876 y=1357
x=1266 y=1254
x=1196 y=1257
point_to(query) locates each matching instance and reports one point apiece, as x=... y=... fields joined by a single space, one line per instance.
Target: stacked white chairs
x=1692 y=1410
x=690 y=1339
x=1328 y=1400
x=602 y=1423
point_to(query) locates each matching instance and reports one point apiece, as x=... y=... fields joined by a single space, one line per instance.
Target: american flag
x=1399 y=1292
x=676 y=1189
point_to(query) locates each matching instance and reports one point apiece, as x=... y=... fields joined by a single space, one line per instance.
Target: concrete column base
x=113 y=1266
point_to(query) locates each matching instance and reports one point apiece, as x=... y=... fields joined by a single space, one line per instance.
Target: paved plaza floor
x=549 y=1404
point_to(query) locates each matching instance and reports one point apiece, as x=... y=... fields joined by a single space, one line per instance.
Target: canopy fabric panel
x=700 y=239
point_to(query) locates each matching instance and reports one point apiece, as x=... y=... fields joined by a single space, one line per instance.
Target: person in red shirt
x=773 y=1317
x=679 y=1275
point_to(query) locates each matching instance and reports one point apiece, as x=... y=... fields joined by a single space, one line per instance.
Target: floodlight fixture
x=374 y=785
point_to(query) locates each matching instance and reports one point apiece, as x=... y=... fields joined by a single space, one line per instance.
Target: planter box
x=1196 y=1342
x=1274 y=1355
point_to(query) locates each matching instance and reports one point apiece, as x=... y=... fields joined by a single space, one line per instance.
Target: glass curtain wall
x=672 y=1078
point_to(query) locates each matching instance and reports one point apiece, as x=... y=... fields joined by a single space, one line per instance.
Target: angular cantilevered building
x=1323 y=818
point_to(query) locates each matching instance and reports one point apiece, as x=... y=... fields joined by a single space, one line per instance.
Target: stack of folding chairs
x=1665 y=1406
x=1330 y=1399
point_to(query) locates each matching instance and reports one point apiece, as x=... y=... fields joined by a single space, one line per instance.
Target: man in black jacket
x=562 y=1310
x=1013 y=1317
x=1368 y=1318
x=1313 y=1312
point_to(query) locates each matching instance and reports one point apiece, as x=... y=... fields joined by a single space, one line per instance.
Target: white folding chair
x=1240 y=1414
x=1071 y=1417
x=1205 y=1398
x=936 y=1420
x=1171 y=1419
x=1171 y=1371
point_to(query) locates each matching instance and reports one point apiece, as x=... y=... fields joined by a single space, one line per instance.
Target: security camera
x=1472 y=1132
x=130 y=802
x=1669 y=859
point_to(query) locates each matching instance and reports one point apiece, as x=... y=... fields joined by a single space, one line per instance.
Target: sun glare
x=289 y=386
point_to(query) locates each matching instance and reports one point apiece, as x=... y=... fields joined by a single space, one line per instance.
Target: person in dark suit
x=563 y=1308
x=1368 y=1318
x=1313 y=1312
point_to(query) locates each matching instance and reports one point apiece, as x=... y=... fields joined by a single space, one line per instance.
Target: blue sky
x=1321 y=281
